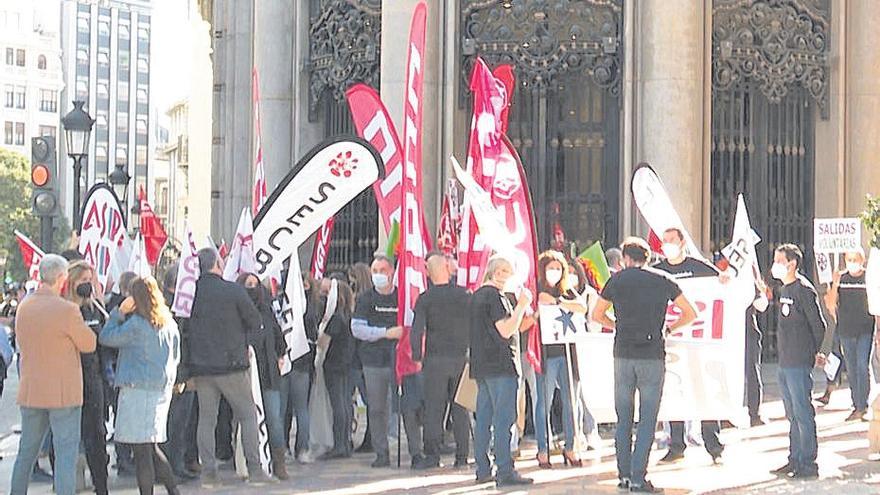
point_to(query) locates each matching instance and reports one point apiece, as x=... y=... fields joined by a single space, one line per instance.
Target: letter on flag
x=103 y=229
x=289 y=310
x=188 y=272
x=322 y=248
x=31 y=255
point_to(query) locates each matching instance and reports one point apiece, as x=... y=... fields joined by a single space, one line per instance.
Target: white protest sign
x=188 y=272
x=103 y=228
x=836 y=235
x=825 y=267
x=704 y=361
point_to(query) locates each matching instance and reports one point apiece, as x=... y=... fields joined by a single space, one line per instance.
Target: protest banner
x=321 y=249
x=836 y=235
x=289 y=309
x=260 y=412
x=188 y=272
x=103 y=227
x=322 y=183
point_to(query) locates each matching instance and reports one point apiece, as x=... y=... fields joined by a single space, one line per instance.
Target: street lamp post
x=119 y=180
x=77 y=130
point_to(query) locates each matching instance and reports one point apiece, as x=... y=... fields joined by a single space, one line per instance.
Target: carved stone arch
x=545 y=39
x=344 y=48
x=774 y=44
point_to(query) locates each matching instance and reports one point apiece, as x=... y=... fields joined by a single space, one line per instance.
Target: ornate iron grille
x=770 y=67
x=344 y=45
x=565 y=115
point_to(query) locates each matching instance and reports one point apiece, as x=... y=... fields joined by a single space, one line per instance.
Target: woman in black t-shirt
x=337 y=367
x=553 y=287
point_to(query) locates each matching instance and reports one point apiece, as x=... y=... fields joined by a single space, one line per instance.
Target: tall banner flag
x=289 y=310
x=372 y=122
x=31 y=255
x=241 y=255
x=151 y=229
x=322 y=247
x=325 y=180
x=103 y=227
x=411 y=270
x=119 y=264
x=138 y=262
x=260 y=189
x=188 y=273
x=449 y=223
x=656 y=207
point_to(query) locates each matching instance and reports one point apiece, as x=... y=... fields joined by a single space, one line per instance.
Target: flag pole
x=399 y=421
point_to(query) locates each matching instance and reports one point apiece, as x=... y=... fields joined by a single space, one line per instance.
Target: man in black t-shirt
x=493 y=364
x=375 y=324
x=640 y=297
x=441 y=317
x=679 y=266
x=848 y=302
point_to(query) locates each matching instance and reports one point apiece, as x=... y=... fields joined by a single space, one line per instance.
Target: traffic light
x=44 y=195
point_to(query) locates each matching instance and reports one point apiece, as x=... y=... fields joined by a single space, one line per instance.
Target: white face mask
x=380 y=280
x=778 y=271
x=853 y=267
x=572 y=280
x=553 y=276
x=671 y=250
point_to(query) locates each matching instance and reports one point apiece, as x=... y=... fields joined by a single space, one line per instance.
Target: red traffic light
x=40 y=175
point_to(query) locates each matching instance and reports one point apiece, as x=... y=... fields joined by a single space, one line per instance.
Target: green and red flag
x=595 y=265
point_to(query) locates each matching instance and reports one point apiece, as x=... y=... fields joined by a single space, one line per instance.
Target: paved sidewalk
x=749 y=455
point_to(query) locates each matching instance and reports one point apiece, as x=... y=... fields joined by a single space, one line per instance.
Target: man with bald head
x=441 y=319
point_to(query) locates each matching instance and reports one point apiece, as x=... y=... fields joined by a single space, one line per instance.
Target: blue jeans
x=857 y=354
x=555 y=376
x=496 y=412
x=295 y=395
x=272 y=412
x=796 y=385
x=645 y=376
x=66 y=427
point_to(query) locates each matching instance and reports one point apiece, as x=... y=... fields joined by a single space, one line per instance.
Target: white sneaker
x=306 y=458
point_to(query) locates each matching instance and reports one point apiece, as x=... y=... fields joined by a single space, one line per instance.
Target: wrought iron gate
x=564 y=120
x=344 y=45
x=769 y=81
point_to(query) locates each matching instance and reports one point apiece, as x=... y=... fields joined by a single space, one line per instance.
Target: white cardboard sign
x=836 y=235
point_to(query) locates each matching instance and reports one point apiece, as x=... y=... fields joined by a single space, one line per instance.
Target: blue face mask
x=380 y=280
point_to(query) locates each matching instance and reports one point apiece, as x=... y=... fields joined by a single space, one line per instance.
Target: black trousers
x=441 y=377
x=151 y=466
x=178 y=422
x=710 y=430
x=754 y=386
x=339 y=390
x=94 y=432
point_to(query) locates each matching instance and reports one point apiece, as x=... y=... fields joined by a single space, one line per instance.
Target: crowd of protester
x=177 y=392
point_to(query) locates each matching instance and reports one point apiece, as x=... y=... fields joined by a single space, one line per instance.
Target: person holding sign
x=494 y=366
x=554 y=289
x=679 y=266
x=847 y=301
x=640 y=296
x=801 y=329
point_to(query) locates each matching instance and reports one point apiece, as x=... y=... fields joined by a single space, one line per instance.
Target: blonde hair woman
x=149 y=350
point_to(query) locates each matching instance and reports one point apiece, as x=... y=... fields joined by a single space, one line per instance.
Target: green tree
x=15 y=213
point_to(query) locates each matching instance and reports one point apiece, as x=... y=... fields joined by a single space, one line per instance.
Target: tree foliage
x=15 y=213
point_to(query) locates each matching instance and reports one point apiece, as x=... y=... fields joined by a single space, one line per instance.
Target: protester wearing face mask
x=269 y=346
x=81 y=280
x=679 y=266
x=799 y=335
x=847 y=301
x=360 y=279
x=554 y=289
x=374 y=324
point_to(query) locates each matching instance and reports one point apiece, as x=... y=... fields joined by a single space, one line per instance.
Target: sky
x=171 y=51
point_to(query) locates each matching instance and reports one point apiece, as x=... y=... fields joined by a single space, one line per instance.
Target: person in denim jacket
x=149 y=350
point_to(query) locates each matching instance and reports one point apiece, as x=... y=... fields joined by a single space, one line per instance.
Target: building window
x=101 y=152
x=41 y=62
x=10 y=96
x=48 y=130
x=104 y=26
x=141 y=125
x=48 y=100
x=20 y=57
x=142 y=96
x=103 y=57
x=143 y=65
x=101 y=118
x=122 y=93
x=82 y=23
x=10 y=56
x=122 y=154
x=19 y=133
x=82 y=88
x=103 y=90
x=141 y=153
x=124 y=31
x=143 y=32
x=82 y=56
x=7 y=135
x=122 y=121
x=20 y=97
x=123 y=58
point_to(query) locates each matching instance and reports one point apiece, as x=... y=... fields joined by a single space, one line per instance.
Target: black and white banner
x=329 y=177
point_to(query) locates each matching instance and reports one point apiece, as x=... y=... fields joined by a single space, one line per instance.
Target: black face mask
x=255 y=294
x=84 y=290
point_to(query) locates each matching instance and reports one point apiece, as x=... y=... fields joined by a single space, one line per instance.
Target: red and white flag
x=322 y=248
x=449 y=224
x=412 y=276
x=241 y=256
x=31 y=255
x=153 y=233
x=188 y=272
x=260 y=193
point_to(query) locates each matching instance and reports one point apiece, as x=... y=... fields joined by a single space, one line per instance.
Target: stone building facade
x=777 y=99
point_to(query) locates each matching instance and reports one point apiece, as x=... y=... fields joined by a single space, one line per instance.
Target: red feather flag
x=151 y=229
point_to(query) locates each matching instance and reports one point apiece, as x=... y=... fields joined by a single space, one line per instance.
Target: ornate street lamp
x=135 y=217
x=77 y=130
x=119 y=180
